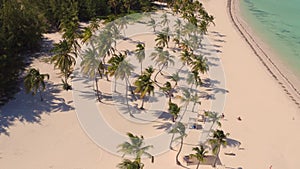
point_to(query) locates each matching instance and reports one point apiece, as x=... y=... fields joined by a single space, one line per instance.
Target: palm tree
x=178 y=128
x=214 y=117
x=128 y=164
x=140 y=54
x=122 y=23
x=153 y=24
x=193 y=79
x=165 y=20
x=168 y=90
x=195 y=99
x=124 y=71
x=162 y=40
x=218 y=139
x=63 y=60
x=69 y=25
x=175 y=78
x=34 y=82
x=144 y=85
x=185 y=57
x=199 y=154
x=90 y=66
x=186 y=97
x=200 y=64
x=113 y=66
x=135 y=147
x=162 y=59
x=86 y=34
x=88 y=31
x=174 y=110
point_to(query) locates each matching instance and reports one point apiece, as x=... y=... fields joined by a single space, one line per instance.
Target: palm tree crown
x=199 y=154
x=218 y=139
x=135 y=147
x=34 y=82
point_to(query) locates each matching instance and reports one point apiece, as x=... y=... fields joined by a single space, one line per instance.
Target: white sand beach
x=38 y=135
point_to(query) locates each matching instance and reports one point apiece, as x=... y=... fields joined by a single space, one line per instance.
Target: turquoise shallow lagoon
x=277 y=22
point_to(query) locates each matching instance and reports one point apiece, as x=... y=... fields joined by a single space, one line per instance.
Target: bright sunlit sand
x=262 y=119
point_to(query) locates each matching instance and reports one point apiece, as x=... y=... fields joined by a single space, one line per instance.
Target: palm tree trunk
x=97 y=90
x=126 y=96
x=170 y=146
x=130 y=87
x=142 y=106
x=115 y=88
x=217 y=156
x=41 y=95
x=141 y=67
x=159 y=72
x=193 y=109
x=180 y=148
x=198 y=164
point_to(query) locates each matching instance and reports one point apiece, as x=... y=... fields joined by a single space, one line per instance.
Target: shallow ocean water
x=277 y=23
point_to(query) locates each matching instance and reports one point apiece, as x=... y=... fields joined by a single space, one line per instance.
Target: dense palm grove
x=23 y=22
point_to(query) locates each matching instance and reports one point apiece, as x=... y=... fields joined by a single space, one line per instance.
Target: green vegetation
x=22 y=24
x=135 y=148
x=34 y=82
x=179 y=128
x=199 y=154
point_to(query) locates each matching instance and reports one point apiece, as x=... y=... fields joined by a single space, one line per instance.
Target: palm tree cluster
x=67 y=49
x=193 y=11
x=218 y=140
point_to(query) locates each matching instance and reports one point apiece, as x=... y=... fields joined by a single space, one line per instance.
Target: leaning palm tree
x=175 y=78
x=89 y=30
x=128 y=164
x=218 y=139
x=90 y=66
x=199 y=154
x=186 y=97
x=135 y=147
x=214 y=117
x=34 y=82
x=144 y=86
x=162 y=59
x=178 y=128
x=174 y=110
x=140 y=54
x=64 y=60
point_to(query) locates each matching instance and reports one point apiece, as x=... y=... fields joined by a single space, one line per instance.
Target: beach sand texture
x=50 y=136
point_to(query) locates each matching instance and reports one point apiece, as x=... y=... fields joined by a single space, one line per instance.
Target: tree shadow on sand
x=29 y=109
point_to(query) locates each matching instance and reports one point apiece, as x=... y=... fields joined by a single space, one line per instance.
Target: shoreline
x=277 y=71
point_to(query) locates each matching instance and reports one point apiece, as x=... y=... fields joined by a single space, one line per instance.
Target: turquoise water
x=277 y=22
